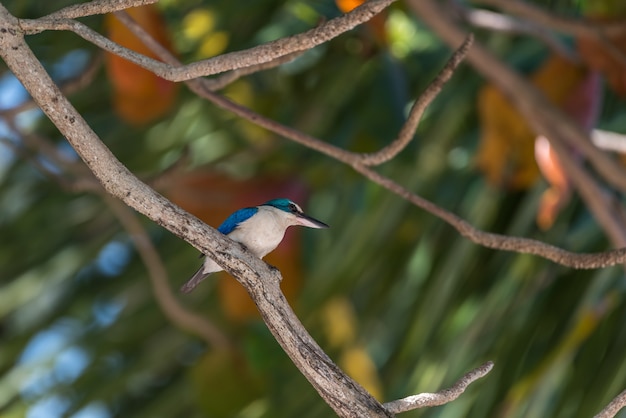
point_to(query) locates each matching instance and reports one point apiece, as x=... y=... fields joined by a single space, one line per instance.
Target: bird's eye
x=293 y=207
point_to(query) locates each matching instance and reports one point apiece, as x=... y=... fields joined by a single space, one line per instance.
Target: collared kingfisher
x=260 y=228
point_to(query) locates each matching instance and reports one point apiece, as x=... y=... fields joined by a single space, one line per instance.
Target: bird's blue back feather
x=235 y=219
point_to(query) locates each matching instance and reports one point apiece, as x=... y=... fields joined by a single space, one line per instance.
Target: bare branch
x=417 y=110
x=544 y=118
x=240 y=59
x=443 y=396
x=611 y=141
x=213 y=84
x=344 y=395
x=487 y=239
x=95 y=7
x=575 y=27
x=614 y=407
x=83 y=180
x=205 y=88
x=495 y=241
x=487 y=19
x=580 y=28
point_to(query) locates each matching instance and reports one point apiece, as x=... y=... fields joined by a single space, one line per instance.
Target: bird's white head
x=296 y=214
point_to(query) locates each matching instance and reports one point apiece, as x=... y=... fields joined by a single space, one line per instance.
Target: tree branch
x=95 y=7
x=240 y=59
x=575 y=27
x=493 y=21
x=579 y=28
x=542 y=116
x=344 y=395
x=490 y=240
x=614 y=407
x=443 y=396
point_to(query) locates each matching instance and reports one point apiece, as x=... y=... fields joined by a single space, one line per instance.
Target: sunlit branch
x=234 y=60
x=443 y=396
x=614 y=407
x=216 y=83
x=95 y=7
x=610 y=141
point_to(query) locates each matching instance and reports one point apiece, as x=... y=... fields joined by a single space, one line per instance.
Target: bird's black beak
x=307 y=221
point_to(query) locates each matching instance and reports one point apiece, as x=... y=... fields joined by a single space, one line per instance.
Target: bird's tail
x=194 y=281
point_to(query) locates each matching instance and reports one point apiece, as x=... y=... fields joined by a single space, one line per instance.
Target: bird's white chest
x=261 y=233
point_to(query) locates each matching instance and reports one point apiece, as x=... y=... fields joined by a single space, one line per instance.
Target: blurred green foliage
x=82 y=335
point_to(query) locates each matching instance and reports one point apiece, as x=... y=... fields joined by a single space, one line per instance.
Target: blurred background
x=396 y=297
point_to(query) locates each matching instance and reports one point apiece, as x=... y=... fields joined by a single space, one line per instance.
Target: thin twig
x=417 y=110
x=614 y=407
x=498 y=241
x=443 y=396
x=205 y=89
x=240 y=59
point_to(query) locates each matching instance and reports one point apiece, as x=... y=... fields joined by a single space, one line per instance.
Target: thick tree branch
x=343 y=394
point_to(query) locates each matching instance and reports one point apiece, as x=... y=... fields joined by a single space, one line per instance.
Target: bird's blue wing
x=235 y=219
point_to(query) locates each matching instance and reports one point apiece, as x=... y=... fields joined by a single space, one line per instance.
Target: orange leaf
x=583 y=105
x=506 y=150
x=139 y=96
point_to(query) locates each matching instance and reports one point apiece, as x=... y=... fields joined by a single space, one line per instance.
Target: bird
x=259 y=228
